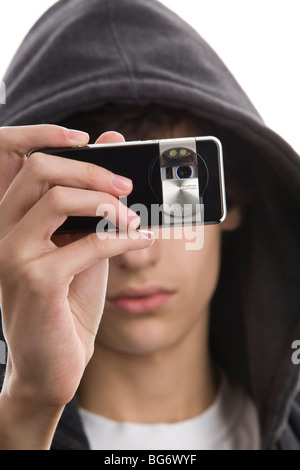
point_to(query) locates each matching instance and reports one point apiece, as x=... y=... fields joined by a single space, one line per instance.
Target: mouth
x=138 y=300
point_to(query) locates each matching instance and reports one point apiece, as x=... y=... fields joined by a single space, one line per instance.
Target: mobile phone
x=175 y=181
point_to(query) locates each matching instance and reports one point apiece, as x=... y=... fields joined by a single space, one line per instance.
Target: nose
x=138 y=259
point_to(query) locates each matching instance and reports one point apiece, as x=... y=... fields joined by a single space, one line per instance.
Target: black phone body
x=175 y=181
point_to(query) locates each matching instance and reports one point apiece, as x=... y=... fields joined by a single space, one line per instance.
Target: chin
x=147 y=338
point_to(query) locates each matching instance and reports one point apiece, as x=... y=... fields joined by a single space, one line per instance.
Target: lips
x=137 y=300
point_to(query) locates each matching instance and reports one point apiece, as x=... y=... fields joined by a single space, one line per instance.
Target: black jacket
x=83 y=54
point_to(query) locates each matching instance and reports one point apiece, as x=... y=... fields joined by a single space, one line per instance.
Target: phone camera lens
x=184 y=172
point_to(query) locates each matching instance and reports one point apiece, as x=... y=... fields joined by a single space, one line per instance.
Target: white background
x=259 y=40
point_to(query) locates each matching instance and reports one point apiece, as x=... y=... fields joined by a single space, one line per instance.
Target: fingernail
x=147 y=234
x=120 y=182
x=77 y=137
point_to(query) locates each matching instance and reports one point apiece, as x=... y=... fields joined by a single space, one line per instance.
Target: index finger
x=16 y=142
x=22 y=139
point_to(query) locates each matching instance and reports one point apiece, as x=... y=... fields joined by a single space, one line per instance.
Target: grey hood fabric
x=83 y=54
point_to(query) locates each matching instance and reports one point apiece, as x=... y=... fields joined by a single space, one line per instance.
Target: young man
x=194 y=347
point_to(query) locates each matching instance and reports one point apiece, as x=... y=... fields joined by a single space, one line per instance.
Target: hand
x=53 y=288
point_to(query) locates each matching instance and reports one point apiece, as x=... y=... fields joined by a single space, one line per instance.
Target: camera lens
x=184 y=172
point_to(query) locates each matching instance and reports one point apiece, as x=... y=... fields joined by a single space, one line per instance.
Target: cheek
x=199 y=269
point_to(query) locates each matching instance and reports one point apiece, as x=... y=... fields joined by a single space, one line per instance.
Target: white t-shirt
x=230 y=423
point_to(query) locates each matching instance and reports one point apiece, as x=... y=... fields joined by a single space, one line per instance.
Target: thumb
x=110 y=137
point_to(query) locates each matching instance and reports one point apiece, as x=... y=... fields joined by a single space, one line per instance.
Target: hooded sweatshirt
x=84 y=54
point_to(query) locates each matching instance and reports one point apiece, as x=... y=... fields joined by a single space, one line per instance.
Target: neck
x=169 y=385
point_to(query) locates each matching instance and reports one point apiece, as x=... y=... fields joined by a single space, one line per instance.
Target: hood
x=84 y=54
